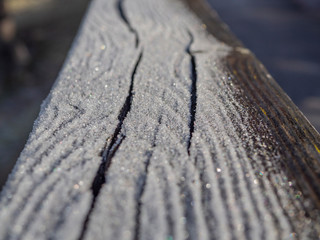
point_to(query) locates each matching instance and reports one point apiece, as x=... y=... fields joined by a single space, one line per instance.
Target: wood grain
x=162 y=125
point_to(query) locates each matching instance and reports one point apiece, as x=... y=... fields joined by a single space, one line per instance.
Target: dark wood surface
x=285 y=38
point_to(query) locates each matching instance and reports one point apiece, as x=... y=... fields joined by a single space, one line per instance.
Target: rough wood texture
x=156 y=129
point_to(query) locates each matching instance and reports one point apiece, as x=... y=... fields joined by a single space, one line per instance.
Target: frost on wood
x=156 y=129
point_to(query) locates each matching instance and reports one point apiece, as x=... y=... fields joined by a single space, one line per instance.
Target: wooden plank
x=156 y=129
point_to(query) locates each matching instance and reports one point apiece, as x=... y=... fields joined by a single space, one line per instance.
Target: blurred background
x=35 y=36
x=285 y=36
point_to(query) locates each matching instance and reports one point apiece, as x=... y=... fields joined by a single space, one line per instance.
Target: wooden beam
x=162 y=125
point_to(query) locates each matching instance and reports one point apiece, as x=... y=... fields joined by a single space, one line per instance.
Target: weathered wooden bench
x=161 y=125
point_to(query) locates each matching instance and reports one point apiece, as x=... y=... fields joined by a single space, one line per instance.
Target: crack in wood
x=110 y=151
x=126 y=21
x=193 y=91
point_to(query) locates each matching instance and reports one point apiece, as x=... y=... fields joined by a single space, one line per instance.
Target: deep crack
x=126 y=21
x=193 y=91
x=110 y=151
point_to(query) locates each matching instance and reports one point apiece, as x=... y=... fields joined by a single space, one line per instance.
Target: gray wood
x=157 y=129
